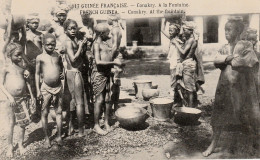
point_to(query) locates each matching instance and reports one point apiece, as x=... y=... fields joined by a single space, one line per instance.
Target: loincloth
x=70 y=76
x=51 y=95
x=188 y=75
x=100 y=82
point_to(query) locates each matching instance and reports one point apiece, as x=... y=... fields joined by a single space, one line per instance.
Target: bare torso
x=51 y=68
x=105 y=55
x=116 y=30
x=79 y=61
x=14 y=81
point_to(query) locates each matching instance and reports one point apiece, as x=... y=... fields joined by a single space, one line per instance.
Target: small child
x=13 y=86
x=100 y=76
x=49 y=64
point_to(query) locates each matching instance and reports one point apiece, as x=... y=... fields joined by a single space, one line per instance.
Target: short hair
x=101 y=28
x=46 y=36
x=12 y=47
x=68 y=22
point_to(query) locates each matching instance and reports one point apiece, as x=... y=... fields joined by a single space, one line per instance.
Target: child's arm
x=73 y=57
x=163 y=28
x=8 y=33
x=37 y=77
x=2 y=80
x=187 y=46
x=62 y=71
x=98 y=58
x=114 y=42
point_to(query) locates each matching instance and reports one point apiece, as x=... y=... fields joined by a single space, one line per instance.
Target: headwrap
x=12 y=47
x=189 y=25
x=32 y=17
x=62 y=9
x=102 y=27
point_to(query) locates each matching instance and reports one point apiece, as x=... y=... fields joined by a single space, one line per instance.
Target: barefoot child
x=49 y=64
x=100 y=76
x=236 y=100
x=116 y=36
x=173 y=54
x=74 y=59
x=13 y=92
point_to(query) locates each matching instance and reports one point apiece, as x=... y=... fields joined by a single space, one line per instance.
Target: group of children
x=41 y=68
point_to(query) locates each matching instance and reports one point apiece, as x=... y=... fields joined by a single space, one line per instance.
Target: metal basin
x=186 y=114
x=161 y=108
x=131 y=117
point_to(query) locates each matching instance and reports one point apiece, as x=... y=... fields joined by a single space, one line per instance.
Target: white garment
x=173 y=56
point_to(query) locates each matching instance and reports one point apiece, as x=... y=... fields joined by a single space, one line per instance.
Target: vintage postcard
x=129 y=79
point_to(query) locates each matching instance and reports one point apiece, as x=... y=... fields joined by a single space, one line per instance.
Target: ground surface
x=155 y=140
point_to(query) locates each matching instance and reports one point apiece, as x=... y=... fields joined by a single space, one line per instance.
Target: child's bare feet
x=81 y=134
x=10 y=152
x=208 y=152
x=22 y=150
x=98 y=130
x=47 y=143
x=59 y=140
x=108 y=127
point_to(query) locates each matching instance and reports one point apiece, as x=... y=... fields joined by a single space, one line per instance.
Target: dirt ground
x=156 y=140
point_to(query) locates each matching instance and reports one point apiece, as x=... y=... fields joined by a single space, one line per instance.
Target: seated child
x=13 y=95
x=49 y=64
x=100 y=76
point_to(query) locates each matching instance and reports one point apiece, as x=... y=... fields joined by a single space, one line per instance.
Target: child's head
x=233 y=28
x=102 y=30
x=188 y=28
x=70 y=27
x=113 y=17
x=87 y=21
x=49 y=42
x=14 y=51
x=61 y=15
x=174 y=30
x=250 y=35
x=33 y=22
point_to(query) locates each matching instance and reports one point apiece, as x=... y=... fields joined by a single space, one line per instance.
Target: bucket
x=140 y=85
x=161 y=108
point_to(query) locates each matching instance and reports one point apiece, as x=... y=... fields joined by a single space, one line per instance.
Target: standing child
x=74 y=58
x=49 y=64
x=173 y=54
x=13 y=87
x=100 y=76
x=236 y=99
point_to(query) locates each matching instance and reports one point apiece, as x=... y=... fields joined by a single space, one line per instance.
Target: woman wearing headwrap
x=189 y=64
x=236 y=101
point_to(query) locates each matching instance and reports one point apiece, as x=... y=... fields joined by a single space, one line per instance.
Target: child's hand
x=61 y=75
x=26 y=74
x=39 y=96
x=84 y=41
x=12 y=101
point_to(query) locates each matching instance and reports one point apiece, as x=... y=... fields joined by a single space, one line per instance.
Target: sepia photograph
x=129 y=79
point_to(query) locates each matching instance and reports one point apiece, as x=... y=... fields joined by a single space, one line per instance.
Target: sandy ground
x=151 y=142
